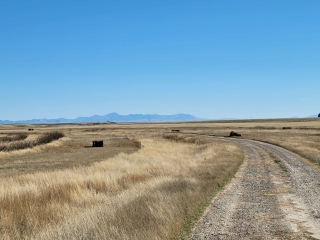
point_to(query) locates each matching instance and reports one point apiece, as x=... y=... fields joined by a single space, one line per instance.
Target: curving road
x=274 y=195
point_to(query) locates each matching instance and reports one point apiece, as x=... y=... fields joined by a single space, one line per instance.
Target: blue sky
x=212 y=59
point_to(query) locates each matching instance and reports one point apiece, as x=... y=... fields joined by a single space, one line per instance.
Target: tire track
x=274 y=195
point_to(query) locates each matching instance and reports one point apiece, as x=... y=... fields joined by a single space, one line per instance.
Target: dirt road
x=274 y=195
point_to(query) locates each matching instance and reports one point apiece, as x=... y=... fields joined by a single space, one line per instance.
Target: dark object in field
x=97 y=143
x=30 y=129
x=286 y=128
x=175 y=130
x=234 y=134
x=319 y=115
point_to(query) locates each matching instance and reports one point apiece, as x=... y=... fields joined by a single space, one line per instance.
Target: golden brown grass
x=149 y=194
x=302 y=138
x=144 y=195
x=67 y=152
x=307 y=145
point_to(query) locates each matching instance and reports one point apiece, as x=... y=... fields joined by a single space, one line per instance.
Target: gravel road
x=274 y=195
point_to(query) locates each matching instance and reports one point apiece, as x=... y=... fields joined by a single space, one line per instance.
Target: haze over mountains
x=113 y=117
x=313 y=116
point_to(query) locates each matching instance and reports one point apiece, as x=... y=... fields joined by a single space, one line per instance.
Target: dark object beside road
x=286 y=128
x=319 y=115
x=175 y=130
x=97 y=143
x=30 y=129
x=234 y=134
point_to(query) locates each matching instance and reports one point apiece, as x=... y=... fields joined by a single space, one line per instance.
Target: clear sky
x=212 y=59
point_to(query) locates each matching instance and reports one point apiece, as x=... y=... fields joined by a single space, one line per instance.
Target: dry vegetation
x=149 y=194
x=301 y=136
x=18 y=141
x=68 y=152
x=145 y=183
x=307 y=145
x=14 y=137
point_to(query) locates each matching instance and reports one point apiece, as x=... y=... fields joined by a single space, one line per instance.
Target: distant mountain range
x=313 y=116
x=113 y=117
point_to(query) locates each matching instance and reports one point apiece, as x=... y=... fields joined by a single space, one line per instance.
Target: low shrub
x=127 y=142
x=14 y=137
x=49 y=137
x=136 y=143
x=186 y=138
x=23 y=144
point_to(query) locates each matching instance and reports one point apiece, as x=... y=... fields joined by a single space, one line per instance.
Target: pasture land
x=301 y=136
x=140 y=185
x=68 y=190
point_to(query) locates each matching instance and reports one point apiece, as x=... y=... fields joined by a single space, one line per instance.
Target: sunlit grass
x=144 y=195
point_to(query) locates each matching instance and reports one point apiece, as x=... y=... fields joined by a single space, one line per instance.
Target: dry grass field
x=145 y=183
x=302 y=137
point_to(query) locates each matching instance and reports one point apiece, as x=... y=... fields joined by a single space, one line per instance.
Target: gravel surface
x=274 y=195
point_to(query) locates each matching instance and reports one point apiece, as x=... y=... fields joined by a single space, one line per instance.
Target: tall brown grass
x=49 y=137
x=14 y=137
x=145 y=195
x=17 y=143
x=301 y=136
x=305 y=145
x=186 y=138
x=127 y=142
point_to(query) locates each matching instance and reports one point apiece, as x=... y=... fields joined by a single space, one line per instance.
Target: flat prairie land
x=140 y=185
x=301 y=136
x=147 y=182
